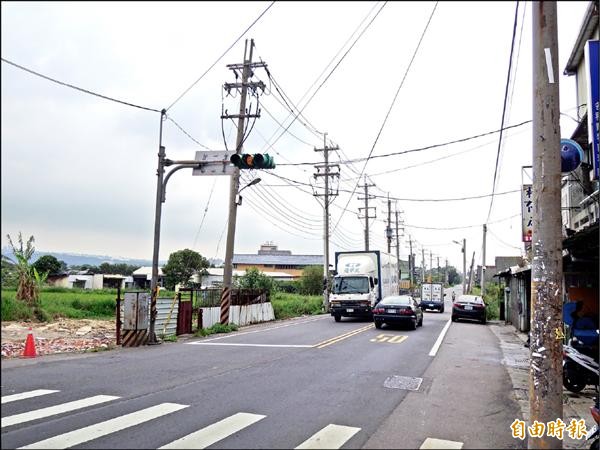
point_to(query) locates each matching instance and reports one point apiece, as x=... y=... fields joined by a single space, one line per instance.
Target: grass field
x=100 y=304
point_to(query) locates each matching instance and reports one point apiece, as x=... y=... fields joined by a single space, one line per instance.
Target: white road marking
x=261 y=330
x=58 y=409
x=107 y=427
x=251 y=345
x=332 y=436
x=437 y=344
x=440 y=443
x=215 y=432
x=24 y=395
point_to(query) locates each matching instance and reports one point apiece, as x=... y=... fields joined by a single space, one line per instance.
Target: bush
x=311 y=282
x=217 y=328
x=256 y=280
x=492 y=297
x=294 y=305
x=13 y=309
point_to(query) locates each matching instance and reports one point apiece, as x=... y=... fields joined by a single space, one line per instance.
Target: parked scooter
x=593 y=434
x=579 y=370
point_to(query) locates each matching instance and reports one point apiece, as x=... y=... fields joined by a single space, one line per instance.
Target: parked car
x=469 y=307
x=398 y=309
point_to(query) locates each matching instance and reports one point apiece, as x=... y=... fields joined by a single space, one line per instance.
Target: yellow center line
x=341 y=337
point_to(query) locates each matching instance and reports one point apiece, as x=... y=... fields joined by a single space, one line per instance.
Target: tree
x=453 y=276
x=29 y=278
x=255 y=279
x=182 y=265
x=311 y=281
x=48 y=264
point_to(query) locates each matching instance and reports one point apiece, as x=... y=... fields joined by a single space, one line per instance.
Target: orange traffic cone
x=29 y=351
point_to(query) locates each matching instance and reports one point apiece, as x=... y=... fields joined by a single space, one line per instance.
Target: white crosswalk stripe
x=431 y=443
x=24 y=395
x=332 y=436
x=58 y=409
x=215 y=432
x=107 y=427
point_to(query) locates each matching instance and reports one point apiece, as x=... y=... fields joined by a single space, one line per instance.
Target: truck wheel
x=337 y=317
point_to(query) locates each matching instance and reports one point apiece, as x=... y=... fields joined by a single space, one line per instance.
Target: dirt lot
x=62 y=336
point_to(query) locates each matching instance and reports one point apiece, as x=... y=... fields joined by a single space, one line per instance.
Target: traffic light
x=248 y=161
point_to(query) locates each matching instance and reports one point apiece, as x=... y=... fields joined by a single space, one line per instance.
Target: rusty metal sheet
x=130 y=311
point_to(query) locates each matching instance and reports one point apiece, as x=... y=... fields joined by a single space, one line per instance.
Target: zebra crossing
x=331 y=436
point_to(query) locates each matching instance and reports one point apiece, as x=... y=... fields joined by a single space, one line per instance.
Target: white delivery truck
x=361 y=280
x=432 y=296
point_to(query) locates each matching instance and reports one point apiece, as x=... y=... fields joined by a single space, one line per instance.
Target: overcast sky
x=79 y=172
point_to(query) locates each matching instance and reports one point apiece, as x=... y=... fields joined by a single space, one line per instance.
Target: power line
x=187 y=134
x=418 y=149
x=331 y=73
x=62 y=83
x=459 y=228
x=512 y=47
x=404 y=199
x=205 y=212
x=389 y=111
x=221 y=57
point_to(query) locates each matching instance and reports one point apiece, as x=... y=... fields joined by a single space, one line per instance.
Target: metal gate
x=184 y=317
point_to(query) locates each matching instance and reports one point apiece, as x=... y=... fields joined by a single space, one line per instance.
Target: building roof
x=586 y=32
x=280 y=260
x=147 y=271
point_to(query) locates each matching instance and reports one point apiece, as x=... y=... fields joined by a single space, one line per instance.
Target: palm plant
x=30 y=281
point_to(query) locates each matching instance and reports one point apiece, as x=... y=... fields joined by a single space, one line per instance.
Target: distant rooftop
x=277 y=259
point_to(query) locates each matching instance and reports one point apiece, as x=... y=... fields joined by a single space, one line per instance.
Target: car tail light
x=479 y=306
x=595 y=414
x=406 y=311
x=457 y=305
x=378 y=311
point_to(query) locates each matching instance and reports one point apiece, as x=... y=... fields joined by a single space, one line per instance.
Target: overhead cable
x=62 y=83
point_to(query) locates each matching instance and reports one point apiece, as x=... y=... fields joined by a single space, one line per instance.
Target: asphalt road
x=304 y=382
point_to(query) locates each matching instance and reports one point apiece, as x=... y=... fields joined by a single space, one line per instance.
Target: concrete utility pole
x=366 y=209
x=464 y=252
x=471 y=274
x=247 y=72
x=411 y=262
x=437 y=274
x=482 y=282
x=545 y=374
x=422 y=265
x=326 y=174
x=388 y=230
x=446 y=272
x=398 y=251
x=430 y=266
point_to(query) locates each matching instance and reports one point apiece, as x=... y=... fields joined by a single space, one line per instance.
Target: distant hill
x=76 y=259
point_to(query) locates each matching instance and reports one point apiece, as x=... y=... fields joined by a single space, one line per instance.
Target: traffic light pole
x=326 y=196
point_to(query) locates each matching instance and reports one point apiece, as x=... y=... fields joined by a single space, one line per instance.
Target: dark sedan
x=469 y=307
x=398 y=309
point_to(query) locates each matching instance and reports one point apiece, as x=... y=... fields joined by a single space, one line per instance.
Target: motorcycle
x=593 y=433
x=579 y=370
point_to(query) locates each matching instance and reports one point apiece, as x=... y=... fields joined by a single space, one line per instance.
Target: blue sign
x=571 y=155
x=592 y=51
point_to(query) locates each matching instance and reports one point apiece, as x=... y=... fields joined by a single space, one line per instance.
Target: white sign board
x=217 y=163
x=527 y=212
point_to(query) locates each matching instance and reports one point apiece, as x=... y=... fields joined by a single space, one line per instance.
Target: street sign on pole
x=217 y=163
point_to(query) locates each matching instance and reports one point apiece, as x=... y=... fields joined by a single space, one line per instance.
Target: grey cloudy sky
x=79 y=172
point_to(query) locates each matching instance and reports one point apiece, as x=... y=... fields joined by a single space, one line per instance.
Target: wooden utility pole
x=545 y=374
x=326 y=174
x=366 y=209
x=398 y=250
x=247 y=72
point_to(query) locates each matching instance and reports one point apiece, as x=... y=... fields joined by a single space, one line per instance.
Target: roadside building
x=270 y=259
